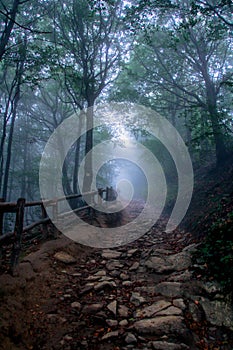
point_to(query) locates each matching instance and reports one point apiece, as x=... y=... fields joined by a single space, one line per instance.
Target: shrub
x=216 y=252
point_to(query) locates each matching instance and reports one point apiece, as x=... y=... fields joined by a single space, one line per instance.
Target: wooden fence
x=19 y=209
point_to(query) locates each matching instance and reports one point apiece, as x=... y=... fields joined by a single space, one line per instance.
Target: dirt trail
x=140 y=296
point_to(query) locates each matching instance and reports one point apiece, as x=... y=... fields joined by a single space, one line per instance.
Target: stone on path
x=111 y=254
x=124 y=276
x=76 y=274
x=169 y=289
x=104 y=284
x=112 y=323
x=218 y=312
x=135 y=266
x=113 y=307
x=181 y=261
x=163 y=345
x=123 y=311
x=137 y=299
x=127 y=283
x=113 y=265
x=131 y=252
x=67 y=337
x=191 y=248
x=180 y=277
x=110 y=335
x=105 y=278
x=130 y=338
x=123 y=323
x=93 y=278
x=76 y=305
x=179 y=303
x=92 y=308
x=164 y=264
x=171 y=310
x=172 y=325
x=100 y=273
x=151 y=310
x=158 y=264
x=196 y=311
x=87 y=288
x=65 y=258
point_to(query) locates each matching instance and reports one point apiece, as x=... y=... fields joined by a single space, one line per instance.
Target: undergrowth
x=216 y=252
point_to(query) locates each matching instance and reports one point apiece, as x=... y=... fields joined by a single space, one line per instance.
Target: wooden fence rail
x=19 y=208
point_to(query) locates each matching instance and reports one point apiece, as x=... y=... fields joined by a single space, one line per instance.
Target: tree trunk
x=76 y=188
x=9 y=24
x=76 y=165
x=88 y=171
x=66 y=182
x=4 y=133
x=220 y=148
x=211 y=105
x=9 y=146
x=18 y=74
x=25 y=163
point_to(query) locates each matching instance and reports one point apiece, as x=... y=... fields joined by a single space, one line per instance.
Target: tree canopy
x=56 y=58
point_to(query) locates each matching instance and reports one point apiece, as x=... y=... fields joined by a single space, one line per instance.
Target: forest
x=122 y=67
x=61 y=57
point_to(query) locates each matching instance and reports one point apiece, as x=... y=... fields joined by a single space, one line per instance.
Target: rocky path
x=139 y=296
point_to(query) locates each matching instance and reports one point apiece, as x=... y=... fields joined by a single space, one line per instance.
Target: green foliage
x=217 y=252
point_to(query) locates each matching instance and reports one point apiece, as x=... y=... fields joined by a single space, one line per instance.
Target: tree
x=222 y=9
x=8 y=16
x=188 y=58
x=15 y=100
x=88 y=48
x=19 y=60
x=51 y=106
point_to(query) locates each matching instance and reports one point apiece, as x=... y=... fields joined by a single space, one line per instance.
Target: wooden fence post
x=55 y=215
x=1 y=217
x=55 y=211
x=89 y=210
x=100 y=195
x=110 y=194
x=1 y=227
x=107 y=194
x=44 y=226
x=17 y=234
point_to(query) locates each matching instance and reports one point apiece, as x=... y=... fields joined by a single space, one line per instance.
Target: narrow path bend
x=139 y=296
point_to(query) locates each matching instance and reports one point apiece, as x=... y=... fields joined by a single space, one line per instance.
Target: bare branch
x=22 y=26
x=215 y=10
